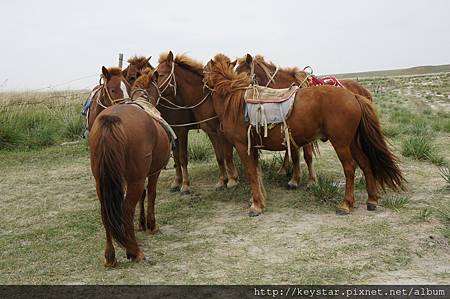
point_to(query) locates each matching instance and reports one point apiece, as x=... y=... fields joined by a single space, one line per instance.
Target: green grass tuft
x=445 y=174
x=394 y=202
x=327 y=190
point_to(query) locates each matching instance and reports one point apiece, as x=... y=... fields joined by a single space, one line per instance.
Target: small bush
x=425 y=214
x=327 y=190
x=394 y=202
x=420 y=148
x=200 y=148
x=445 y=174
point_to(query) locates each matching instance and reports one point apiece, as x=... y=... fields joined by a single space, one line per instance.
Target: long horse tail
x=383 y=163
x=110 y=152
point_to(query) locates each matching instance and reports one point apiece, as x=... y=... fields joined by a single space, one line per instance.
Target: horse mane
x=140 y=62
x=185 y=61
x=143 y=82
x=115 y=71
x=229 y=84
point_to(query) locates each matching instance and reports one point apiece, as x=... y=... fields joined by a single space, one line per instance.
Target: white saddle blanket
x=264 y=112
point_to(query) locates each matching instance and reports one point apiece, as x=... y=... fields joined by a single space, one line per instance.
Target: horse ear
x=170 y=57
x=249 y=59
x=233 y=63
x=106 y=73
x=155 y=76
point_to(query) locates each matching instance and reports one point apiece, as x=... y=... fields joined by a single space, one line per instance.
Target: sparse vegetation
x=52 y=232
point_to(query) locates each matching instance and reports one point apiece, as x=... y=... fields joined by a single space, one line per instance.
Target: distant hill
x=418 y=70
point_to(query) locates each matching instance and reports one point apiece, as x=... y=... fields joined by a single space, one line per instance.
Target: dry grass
x=52 y=233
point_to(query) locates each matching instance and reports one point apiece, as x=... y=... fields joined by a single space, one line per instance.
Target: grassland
x=52 y=232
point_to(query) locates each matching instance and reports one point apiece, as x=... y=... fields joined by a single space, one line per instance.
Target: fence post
x=120 y=59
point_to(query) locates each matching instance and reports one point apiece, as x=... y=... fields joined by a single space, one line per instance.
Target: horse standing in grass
x=267 y=74
x=347 y=120
x=127 y=147
x=186 y=104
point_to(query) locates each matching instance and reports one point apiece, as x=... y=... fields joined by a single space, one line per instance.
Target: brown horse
x=135 y=67
x=186 y=104
x=267 y=74
x=347 y=120
x=127 y=147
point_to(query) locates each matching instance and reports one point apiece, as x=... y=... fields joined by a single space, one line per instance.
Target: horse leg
x=110 y=253
x=232 y=172
x=134 y=194
x=183 y=142
x=142 y=212
x=308 y=156
x=220 y=160
x=285 y=166
x=175 y=186
x=251 y=166
x=346 y=158
x=371 y=185
x=151 y=187
x=295 y=180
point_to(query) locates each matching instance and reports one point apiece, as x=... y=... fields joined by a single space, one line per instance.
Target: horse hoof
x=292 y=186
x=311 y=183
x=111 y=264
x=140 y=257
x=342 y=211
x=153 y=231
x=371 y=206
x=232 y=184
x=185 y=192
x=220 y=186
x=175 y=188
x=253 y=212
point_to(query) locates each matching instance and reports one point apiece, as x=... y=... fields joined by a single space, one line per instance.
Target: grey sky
x=49 y=42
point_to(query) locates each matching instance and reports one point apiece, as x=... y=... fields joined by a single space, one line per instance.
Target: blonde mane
x=184 y=61
x=140 y=62
x=115 y=71
x=229 y=85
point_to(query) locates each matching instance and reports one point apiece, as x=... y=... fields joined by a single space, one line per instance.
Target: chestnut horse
x=127 y=147
x=186 y=104
x=267 y=74
x=349 y=121
x=135 y=67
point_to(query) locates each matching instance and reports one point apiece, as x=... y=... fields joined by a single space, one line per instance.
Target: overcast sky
x=49 y=42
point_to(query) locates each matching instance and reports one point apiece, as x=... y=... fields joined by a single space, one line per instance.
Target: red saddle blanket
x=327 y=80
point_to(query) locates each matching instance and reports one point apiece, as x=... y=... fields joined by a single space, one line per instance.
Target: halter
x=146 y=94
x=104 y=90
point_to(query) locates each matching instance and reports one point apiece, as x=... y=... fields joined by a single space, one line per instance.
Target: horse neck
x=190 y=86
x=282 y=79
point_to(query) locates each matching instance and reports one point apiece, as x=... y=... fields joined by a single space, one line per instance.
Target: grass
x=420 y=148
x=445 y=174
x=395 y=202
x=200 y=148
x=327 y=190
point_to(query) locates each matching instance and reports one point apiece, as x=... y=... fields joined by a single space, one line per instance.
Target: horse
x=127 y=147
x=186 y=104
x=135 y=66
x=267 y=74
x=347 y=120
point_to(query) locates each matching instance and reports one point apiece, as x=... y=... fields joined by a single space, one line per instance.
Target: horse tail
x=110 y=151
x=383 y=163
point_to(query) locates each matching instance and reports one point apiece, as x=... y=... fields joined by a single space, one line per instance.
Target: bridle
x=171 y=81
x=104 y=93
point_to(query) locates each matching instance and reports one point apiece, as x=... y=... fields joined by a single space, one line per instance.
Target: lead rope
x=272 y=77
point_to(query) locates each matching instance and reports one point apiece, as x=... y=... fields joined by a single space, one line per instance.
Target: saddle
x=267 y=107
x=156 y=115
